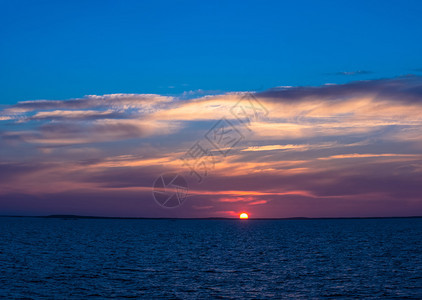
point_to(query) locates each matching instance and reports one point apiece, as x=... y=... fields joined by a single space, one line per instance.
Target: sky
x=276 y=108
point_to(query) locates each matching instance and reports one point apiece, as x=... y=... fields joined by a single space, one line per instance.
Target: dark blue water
x=101 y=258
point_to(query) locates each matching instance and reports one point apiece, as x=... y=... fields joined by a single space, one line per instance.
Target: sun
x=243 y=216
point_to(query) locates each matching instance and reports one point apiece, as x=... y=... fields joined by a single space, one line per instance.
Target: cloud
x=356 y=155
x=352 y=73
x=109 y=100
x=332 y=150
x=74 y=114
x=406 y=88
x=88 y=120
x=276 y=147
x=97 y=131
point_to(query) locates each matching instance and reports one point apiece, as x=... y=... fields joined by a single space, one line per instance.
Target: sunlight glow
x=243 y=216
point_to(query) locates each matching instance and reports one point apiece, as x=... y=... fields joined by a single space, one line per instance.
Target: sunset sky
x=322 y=102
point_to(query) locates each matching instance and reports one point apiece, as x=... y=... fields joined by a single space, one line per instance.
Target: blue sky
x=62 y=50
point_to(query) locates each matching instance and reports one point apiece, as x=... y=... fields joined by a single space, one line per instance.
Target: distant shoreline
x=211 y=218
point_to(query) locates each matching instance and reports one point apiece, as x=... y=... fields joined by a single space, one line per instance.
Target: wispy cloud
x=352 y=73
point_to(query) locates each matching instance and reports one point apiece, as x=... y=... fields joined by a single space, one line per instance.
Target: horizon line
x=206 y=218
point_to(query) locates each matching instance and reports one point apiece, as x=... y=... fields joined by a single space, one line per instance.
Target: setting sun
x=243 y=216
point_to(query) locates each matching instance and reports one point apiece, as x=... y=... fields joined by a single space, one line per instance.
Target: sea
x=74 y=258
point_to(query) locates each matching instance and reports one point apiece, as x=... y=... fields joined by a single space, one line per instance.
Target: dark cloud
x=12 y=170
x=58 y=133
x=92 y=102
x=407 y=88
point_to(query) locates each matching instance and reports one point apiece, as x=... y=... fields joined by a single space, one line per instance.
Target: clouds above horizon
x=333 y=150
